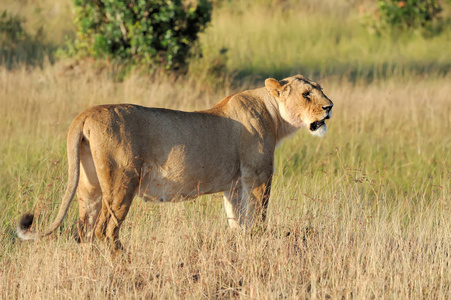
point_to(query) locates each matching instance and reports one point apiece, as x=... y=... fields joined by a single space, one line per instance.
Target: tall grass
x=361 y=213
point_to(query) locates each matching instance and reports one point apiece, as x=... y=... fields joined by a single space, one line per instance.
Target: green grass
x=318 y=41
x=367 y=206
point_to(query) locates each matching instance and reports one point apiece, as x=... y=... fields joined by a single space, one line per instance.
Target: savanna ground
x=367 y=207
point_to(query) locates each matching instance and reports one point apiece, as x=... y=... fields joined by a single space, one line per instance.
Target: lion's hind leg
x=118 y=192
x=89 y=196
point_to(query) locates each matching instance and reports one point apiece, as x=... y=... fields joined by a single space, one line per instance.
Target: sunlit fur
x=301 y=111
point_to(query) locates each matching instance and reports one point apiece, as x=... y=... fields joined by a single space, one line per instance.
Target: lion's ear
x=273 y=86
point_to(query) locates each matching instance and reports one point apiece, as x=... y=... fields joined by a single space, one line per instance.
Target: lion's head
x=301 y=103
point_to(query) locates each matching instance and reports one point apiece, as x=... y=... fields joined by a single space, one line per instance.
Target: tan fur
x=117 y=152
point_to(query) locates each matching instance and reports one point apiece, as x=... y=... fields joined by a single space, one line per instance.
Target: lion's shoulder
x=240 y=103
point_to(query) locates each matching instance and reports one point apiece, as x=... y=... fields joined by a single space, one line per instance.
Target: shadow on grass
x=352 y=71
x=29 y=54
x=18 y=47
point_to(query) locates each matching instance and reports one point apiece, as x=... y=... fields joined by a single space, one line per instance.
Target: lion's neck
x=283 y=128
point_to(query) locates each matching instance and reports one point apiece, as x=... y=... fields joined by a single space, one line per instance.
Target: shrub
x=405 y=15
x=155 y=33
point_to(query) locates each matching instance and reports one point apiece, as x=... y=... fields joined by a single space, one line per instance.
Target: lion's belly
x=172 y=184
x=182 y=164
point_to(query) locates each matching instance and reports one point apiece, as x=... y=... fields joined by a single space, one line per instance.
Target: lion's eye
x=306 y=95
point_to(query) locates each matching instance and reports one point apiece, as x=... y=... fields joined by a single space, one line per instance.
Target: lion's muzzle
x=317 y=124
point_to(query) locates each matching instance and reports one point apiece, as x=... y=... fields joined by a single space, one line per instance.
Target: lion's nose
x=328 y=108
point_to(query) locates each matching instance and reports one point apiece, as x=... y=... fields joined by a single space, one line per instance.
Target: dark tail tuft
x=26 y=221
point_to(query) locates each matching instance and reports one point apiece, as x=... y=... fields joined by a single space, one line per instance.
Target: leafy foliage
x=402 y=15
x=158 y=32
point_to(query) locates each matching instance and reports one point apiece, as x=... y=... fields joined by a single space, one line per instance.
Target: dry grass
x=366 y=207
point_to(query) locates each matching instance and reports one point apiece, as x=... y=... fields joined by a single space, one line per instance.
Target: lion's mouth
x=317 y=124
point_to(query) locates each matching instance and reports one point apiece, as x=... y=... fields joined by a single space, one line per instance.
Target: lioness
x=117 y=152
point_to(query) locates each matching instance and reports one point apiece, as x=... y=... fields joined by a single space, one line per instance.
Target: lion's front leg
x=233 y=207
x=255 y=197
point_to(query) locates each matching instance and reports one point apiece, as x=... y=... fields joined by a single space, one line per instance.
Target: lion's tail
x=74 y=139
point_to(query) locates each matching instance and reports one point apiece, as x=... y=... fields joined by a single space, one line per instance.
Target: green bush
x=155 y=33
x=403 y=15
